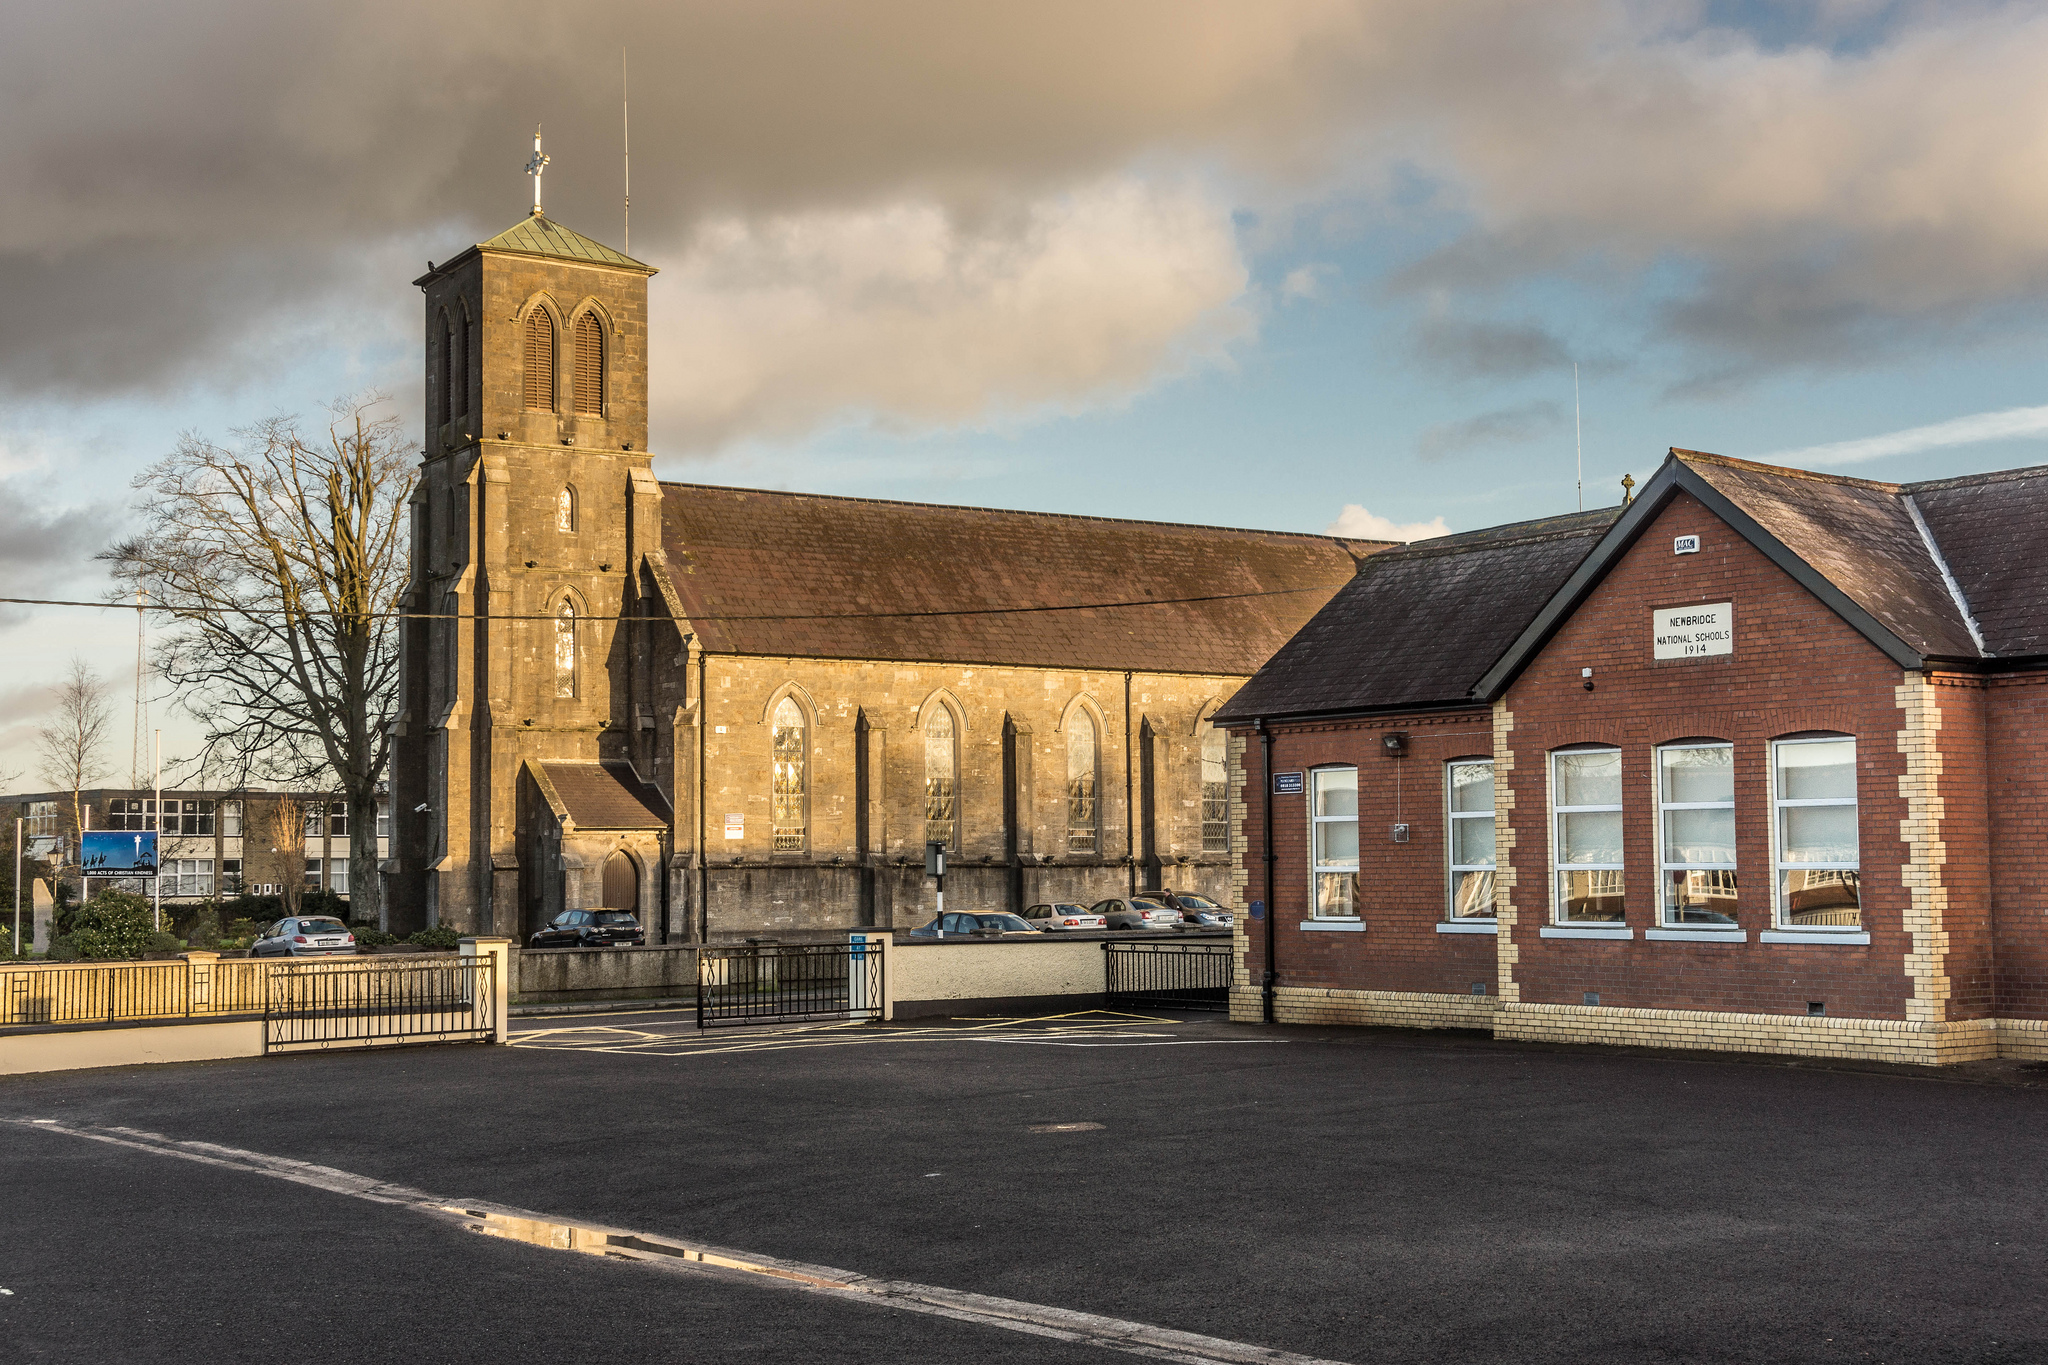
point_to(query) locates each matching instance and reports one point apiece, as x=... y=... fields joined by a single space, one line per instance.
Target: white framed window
x=1814 y=833
x=1696 y=835
x=1468 y=841
x=231 y=819
x=337 y=876
x=1333 y=843
x=312 y=874
x=1585 y=842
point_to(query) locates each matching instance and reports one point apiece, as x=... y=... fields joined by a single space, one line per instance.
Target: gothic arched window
x=464 y=330
x=565 y=649
x=447 y=394
x=792 y=778
x=941 y=770
x=565 y=510
x=540 y=361
x=1215 y=791
x=1081 y=782
x=590 y=365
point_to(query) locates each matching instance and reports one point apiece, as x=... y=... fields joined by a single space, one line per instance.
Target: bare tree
x=284 y=825
x=280 y=559
x=71 y=745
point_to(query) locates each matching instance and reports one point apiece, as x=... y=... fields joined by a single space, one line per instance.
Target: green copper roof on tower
x=539 y=235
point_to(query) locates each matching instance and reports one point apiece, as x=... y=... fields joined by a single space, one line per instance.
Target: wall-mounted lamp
x=1395 y=742
x=1587 y=674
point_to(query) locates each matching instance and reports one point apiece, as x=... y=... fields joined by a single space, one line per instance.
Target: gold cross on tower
x=535 y=164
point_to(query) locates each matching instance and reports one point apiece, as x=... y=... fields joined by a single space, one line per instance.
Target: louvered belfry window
x=540 y=361
x=589 y=365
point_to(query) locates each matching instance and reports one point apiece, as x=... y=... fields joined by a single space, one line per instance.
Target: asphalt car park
x=1342 y=1195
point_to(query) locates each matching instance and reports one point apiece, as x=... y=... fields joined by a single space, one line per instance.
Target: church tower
x=536 y=501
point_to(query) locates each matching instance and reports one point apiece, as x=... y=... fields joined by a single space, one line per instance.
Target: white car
x=1064 y=918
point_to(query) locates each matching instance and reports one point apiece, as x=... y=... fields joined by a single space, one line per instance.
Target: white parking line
x=1088 y=1029
x=544 y=1230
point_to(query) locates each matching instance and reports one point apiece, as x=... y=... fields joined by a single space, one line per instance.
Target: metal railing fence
x=339 y=1002
x=316 y=1003
x=119 y=992
x=765 y=982
x=1180 y=976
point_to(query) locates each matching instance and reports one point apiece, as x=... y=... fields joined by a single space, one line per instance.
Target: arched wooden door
x=621 y=883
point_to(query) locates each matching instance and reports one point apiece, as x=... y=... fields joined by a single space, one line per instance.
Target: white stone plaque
x=1693 y=632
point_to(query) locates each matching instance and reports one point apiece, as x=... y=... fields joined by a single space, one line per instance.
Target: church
x=745 y=713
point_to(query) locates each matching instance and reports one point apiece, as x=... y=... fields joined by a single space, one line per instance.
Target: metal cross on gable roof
x=535 y=164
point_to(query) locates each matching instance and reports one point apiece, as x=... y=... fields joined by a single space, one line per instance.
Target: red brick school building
x=1755 y=763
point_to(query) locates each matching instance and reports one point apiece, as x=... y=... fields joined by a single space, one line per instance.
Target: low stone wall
x=550 y=976
x=115 y=1045
x=1050 y=973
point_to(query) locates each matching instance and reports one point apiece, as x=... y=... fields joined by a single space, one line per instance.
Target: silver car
x=1158 y=914
x=1063 y=918
x=304 y=936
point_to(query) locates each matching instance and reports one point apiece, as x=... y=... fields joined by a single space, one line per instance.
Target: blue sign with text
x=118 y=853
x=1287 y=784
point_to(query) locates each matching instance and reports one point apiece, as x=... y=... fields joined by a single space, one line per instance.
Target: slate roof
x=794 y=574
x=537 y=235
x=606 y=796
x=1859 y=535
x=1942 y=571
x=1989 y=529
x=1421 y=622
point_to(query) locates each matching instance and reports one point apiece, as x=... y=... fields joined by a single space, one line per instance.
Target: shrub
x=6 y=940
x=370 y=936
x=324 y=902
x=63 y=949
x=114 y=924
x=204 y=931
x=438 y=936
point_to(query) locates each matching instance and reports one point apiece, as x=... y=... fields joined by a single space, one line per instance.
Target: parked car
x=1139 y=912
x=304 y=936
x=1195 y=909
x=1063 y=918
x=963 y=924
x=590 y=929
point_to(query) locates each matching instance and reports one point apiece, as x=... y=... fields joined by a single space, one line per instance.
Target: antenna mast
x=141 y=697
x=1579 y=435
x=626 y=124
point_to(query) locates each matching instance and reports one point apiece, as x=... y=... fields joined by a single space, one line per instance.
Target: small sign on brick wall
x=1693 y=632
x=1287 y=784
x=735 y=826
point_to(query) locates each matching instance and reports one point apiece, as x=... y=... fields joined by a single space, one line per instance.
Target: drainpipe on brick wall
x=1266 y=807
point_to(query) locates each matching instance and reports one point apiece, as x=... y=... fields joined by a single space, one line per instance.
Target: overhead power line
x=694 y=617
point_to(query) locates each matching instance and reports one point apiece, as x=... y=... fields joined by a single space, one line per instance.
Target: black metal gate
x=764 y=983
x=1178 y=976
x=347 y=1003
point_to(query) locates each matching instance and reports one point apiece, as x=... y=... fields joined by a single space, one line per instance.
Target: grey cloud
x=195 y=188
x=1498 y=427
x=1489 y=350
x=45 y=553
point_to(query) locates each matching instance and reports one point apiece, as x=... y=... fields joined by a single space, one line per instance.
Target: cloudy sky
x=1298 y=263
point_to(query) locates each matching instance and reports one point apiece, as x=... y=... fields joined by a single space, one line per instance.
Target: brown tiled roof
x=858 y=578
x=606 y=796
x=1421 y=623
